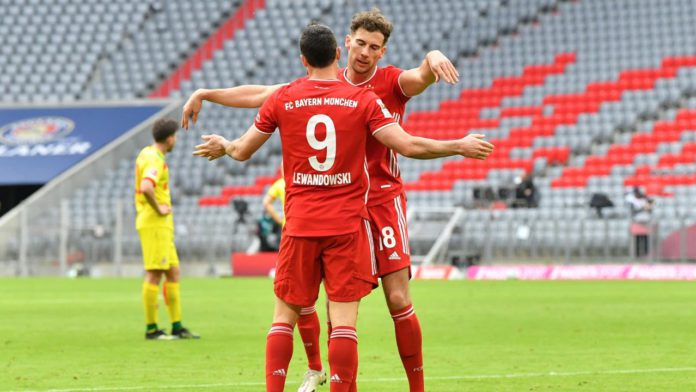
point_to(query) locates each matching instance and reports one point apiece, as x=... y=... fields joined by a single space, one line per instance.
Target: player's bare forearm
x=422 y=148
x=396 y=138
x=233 y=151
x=150 y=197
x=435 y=66
x=149 y=194
x=240 y=149
x=471 y=146
x=246 y=96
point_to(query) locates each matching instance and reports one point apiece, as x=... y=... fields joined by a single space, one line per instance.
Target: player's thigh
x=156 y=248
x=349 y=266
x=390 y=230
x=298 y=270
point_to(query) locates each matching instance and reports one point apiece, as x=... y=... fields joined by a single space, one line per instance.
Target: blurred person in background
x=641 y=217
x=526 y=195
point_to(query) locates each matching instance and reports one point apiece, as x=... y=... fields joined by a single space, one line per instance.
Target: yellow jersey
x=151 y=165
x=277 y=191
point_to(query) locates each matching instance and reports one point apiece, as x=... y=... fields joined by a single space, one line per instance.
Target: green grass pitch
x=87 y=335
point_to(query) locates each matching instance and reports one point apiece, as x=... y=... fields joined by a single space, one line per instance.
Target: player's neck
x=327 y=73
x=358 y=78
x=161 y=147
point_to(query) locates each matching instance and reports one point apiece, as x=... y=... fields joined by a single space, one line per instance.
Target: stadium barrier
x=584 y=272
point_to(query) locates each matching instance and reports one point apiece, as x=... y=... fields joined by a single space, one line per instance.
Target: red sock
x=354 y=384
x=278 y=355
x=309 y=331
x=409 y=340
x=343 y=358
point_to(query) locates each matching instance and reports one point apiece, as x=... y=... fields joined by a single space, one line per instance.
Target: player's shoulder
x=151 y=155
x=146 y=153
x=288 y=91
x=389 y=70
x=295 y=84
x=279 y=183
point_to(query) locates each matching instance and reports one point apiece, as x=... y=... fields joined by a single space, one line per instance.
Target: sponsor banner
x=584 y=272
x=436 y=272
x=38 y=144
x=258 y=264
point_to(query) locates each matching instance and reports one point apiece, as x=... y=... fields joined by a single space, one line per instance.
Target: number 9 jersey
x=324 y=126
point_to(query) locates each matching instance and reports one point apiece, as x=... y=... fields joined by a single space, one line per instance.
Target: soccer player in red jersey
x=366 y=45
x=324 y=126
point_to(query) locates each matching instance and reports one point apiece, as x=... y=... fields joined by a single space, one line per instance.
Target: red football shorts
x=391 y=232
x=345 y=262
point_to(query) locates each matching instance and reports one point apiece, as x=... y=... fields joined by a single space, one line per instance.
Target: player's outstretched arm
x=240 y=149
x=471 y=146
x=246 y=96
x=435 y=66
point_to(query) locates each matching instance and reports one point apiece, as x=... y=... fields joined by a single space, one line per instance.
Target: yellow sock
x=173 y=302
x=150 y=292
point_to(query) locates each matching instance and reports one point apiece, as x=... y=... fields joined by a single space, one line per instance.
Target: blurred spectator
x=599 y=201
x=242 y=209
x=641 y=216
x=526 y=195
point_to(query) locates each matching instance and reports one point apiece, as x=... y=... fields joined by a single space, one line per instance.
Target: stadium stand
x=590 y=96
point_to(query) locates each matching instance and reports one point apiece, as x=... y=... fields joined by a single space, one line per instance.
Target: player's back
x=324 y=125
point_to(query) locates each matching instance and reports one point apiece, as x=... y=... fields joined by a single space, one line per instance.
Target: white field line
x=384 y=379
x=63 y=301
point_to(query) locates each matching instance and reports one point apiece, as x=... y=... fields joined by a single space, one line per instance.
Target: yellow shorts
x=159 y=252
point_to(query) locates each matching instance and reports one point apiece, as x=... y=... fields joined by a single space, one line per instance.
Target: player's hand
x=213 y=148
x=442 y=67
x=164 y=209
x=474 y=146
x=191 y=109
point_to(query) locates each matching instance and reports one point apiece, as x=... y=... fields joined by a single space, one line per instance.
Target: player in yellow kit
x=276 y=192
x=155 y=227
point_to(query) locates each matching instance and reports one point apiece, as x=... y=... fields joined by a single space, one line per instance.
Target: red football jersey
x=385 y=178
x=324 y=125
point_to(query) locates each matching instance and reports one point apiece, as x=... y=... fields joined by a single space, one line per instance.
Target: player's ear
x=304 y=61
x=348 y=39
x=338 y=54
x=383 y=51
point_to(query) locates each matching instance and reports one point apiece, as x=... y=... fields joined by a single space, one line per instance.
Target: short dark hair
x=163 y=128
x=318 y=45
x=372 y=20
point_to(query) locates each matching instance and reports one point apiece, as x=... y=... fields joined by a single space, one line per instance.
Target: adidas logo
x=418 y=369
x=279 y=372
x=308 y=344
x=394 y=256
x=336 y=379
